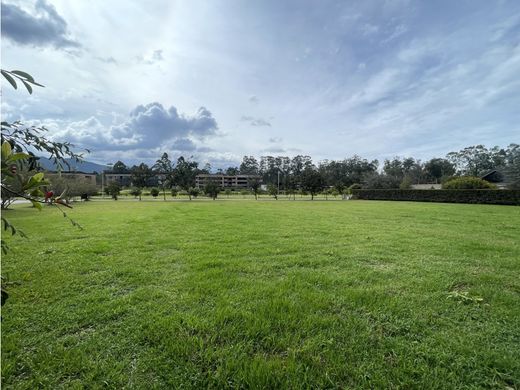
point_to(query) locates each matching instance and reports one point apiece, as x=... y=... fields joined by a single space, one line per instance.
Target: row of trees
x=300 y=173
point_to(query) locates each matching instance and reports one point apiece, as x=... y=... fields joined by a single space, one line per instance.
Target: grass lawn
x=245 y=294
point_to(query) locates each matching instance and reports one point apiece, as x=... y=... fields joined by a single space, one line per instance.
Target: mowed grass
x=245 y=294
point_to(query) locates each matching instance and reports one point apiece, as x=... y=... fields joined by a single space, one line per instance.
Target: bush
x=505 y=197
x=154 y=192
x=194 y=192
x=136 y=192
x=175 y=192
x=468 y=183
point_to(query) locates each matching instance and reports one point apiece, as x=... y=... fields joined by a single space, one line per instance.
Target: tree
x=135 y=192
x=273 y=191
x=381 y=181
x=436 y=168
x=18 y=143
x=512 y=166
x=212 y=189
x=193 y=192
x=154 y=192
x=141 y=174
x=312 y=181
x=120 y=167
x=477 y=160
x=249 y=166
x=232 y=171
x=164 y=168
x=185 y=173
x=254 y=184
x=113 y=189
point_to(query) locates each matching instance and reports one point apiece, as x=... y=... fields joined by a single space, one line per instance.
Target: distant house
x=123 y=179
x=496 y=177
x=88 y=177
x=226 y=181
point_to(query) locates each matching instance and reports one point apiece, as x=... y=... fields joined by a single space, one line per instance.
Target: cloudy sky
x=221 y=79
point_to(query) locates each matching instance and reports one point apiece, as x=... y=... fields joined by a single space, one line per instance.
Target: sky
x=217 y=80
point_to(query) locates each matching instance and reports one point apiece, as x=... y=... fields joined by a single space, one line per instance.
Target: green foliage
x=312 y=181
x=406 y=184
x=135 y=192
x=185 y=173
x=255 y=184
x=379 y=181
x=212 y=189
x=113 y=188
x=174 y=192
x=193 y=192
x=467 y=183
x=505 y=197
x=273 y=191
x=154 y=192
x=15 y=76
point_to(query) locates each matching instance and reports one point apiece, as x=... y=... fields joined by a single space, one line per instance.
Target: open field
x=352 y=294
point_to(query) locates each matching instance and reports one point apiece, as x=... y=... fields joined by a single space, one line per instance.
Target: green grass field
x=245 y=294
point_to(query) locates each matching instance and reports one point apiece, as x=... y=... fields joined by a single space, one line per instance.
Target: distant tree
x=273 y=191
x=381 y=181
x=477 y=160
x=154 y=192
x=174 y=192
x=232 y=171
x=227 y=192
x=254 y=184
x=141 y=174
x=185 y=173
x=113 y=189
x=249 y=166
x=135 y=192
x=193 y=192
x=512 y=166
x=312 y=181
x=212 y=189
x=164 y=167
x=244 y=192
x=120 y=167
x=436 y=168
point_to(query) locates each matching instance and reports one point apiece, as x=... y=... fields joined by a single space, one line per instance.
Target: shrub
x=194 y=192
x=468 y=183
x=154 y=192
x=136 y=192
x=175 y=192
x=505 y=197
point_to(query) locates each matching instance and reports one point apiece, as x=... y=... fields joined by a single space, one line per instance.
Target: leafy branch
x=15 y=76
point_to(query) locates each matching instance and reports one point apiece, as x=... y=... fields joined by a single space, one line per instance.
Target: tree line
x=300 y=173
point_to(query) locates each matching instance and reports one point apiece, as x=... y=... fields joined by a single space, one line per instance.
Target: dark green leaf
x=10 y=79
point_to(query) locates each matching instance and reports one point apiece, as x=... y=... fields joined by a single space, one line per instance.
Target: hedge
x=507 y=197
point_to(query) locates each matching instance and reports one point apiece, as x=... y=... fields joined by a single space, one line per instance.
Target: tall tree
x=312 y=181
x=141 y=174
x=164 y=168
x=436 y=168
x=185 y=173
x=120 y=167
x=249 y=166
